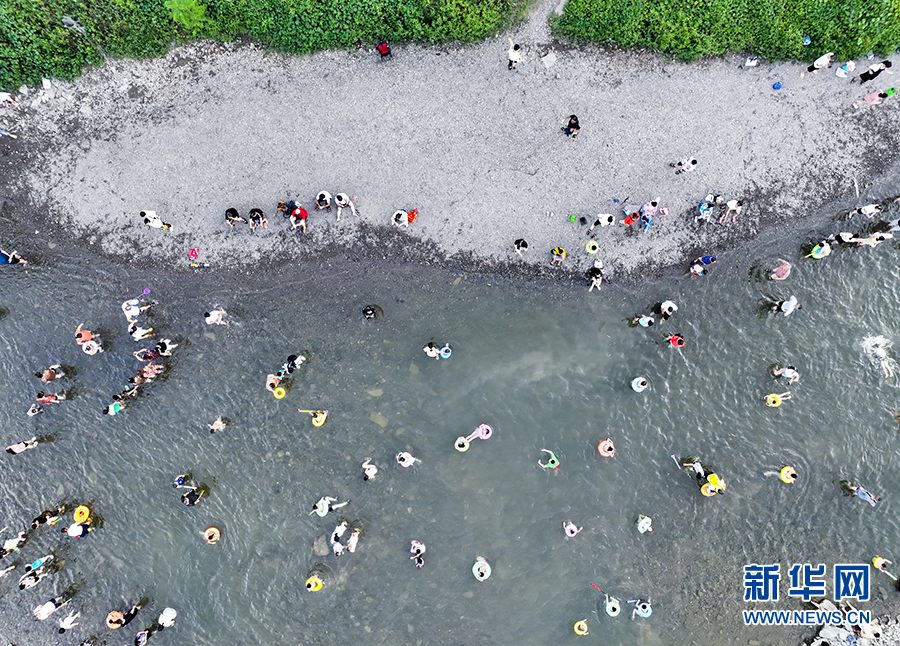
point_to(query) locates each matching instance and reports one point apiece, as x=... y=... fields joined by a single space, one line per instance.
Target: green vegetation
x=34 y=42
x=774 y=29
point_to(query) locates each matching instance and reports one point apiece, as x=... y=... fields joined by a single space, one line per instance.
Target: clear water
x=548 y=366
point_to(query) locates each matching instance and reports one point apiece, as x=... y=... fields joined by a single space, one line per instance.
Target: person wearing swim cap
x=667 y=309
x=552 y=463
x=571 y=529
x=326 y=504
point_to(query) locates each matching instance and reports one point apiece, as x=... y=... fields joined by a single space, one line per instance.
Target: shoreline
x=450 y=131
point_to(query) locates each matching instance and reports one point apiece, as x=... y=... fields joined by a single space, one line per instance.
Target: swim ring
x=114 y=620
x=319 y=418
x=773 y=400
x=606 y=448
x=707 y=491
x=484 y=432
x=644 y=524
x=677 y=340
x=279 y=393
x=462 y=444
x=446 y=351
x=481 y=570
x=612 y=607
x=591 y=247
x=581 y=627
x=314 y=583
x=639 y=384
x=788 y=475
x=81 y=514
x=820 y=250
x=644 y=609
x=212 y=535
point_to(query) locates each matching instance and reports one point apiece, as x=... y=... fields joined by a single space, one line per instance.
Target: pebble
x=376 y=392
x=320 y=547
x=468 y=594
x=413 y=369
x=379 y=419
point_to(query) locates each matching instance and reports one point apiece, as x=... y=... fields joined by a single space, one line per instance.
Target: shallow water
x=548 y=366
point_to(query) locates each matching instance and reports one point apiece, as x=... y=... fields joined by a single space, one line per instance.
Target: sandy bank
x=476 y=148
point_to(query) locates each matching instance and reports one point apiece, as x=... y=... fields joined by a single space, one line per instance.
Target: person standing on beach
x=685 y=165
x=513 y=54
x=232 y=216
x=875 y=98
x=869 y=210
x=872 y=72
x=732 y=206
x=821 y=63
x=572 y=127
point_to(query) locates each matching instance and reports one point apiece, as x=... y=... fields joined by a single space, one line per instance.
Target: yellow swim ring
x=707 y=490
x=320 y=417
x=788 y=475
x=81 y=514
x=314 y=583
x=773 y=400
x=212 y=535
x=581 y=627
x=279 y=393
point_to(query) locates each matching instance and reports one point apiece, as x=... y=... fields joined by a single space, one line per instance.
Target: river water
x=546 y=365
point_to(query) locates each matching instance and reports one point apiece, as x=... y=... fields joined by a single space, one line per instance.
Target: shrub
x=34 y=43
x=691 y=29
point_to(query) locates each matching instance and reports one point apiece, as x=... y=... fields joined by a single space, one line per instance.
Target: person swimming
x=369 y=469
x=326 y=504
x=790 y=373
x=571 y=529
x=406 y=459
x=552 y=462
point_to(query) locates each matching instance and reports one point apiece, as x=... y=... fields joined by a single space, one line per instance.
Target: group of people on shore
x=291 y=210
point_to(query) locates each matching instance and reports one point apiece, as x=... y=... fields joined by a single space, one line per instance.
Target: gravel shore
x=476 y=148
